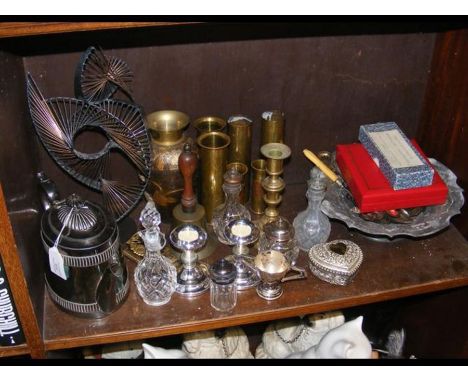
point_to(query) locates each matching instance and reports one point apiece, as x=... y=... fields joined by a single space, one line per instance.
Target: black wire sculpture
x=97 y=76
x=59 y=120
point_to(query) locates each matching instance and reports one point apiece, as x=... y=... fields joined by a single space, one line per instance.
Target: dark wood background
x=326 y=85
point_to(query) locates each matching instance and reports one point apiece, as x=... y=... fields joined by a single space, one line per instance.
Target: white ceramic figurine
x=233 y=343
x=345 y=341
x=285 y=337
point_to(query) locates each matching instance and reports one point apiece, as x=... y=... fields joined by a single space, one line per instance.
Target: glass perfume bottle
x=312 y=225
x=231 y=209
x=155 y=276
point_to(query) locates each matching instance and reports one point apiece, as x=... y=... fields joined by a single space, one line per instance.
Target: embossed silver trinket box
x=335 y=262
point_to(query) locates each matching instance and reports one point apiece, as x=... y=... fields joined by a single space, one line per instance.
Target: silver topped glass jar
x=223 y=290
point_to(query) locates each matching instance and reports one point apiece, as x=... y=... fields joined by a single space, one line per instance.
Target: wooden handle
x=322 y=166
x=187 y=166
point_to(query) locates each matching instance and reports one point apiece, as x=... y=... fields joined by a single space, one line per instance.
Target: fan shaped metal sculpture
x=98 y=76
x=58 y=121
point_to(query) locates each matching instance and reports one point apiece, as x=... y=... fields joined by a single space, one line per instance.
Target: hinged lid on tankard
x=87 y=225
x=336 y=261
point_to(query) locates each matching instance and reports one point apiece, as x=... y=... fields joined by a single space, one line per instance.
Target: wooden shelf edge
x=228 y=321
x=10 y=351
x=17 y=29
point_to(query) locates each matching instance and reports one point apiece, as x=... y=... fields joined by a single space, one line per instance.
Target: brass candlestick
x=188 y=211
x=273 y=184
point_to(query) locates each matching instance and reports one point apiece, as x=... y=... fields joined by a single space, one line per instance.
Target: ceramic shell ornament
x=58 y=121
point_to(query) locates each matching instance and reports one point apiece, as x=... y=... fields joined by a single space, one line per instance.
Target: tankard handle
x=300 y=274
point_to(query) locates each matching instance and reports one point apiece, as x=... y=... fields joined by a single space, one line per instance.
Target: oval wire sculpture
x=58 y=121
x=338 y=205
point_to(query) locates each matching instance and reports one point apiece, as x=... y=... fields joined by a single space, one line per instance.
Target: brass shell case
x=213 y=152
x=208 y=124
x=240 y=132
x=257 y=204
x=272 y=127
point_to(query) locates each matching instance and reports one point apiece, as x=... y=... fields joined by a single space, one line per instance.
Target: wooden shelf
x=10 y=351
x=389 y=271
x=15 y=29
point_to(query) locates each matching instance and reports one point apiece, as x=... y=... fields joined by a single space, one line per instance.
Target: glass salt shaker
x=232 y=209
x=312 y=225
x=223 y=290
x=155 y=276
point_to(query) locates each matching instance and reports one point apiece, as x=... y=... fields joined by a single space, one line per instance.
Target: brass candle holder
x=273 y=184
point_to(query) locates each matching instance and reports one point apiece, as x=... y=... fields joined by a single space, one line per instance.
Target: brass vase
x=166 y=185
x=213 y=152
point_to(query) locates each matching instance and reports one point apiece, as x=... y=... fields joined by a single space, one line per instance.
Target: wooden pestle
x=187 y=165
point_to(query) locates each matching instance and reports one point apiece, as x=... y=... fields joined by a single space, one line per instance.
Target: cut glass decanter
x=155 y=276
x=232 y=209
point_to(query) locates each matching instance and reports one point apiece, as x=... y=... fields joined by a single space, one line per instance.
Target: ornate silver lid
x=87 y=225
x=341 y=257
x=82 y=217
x=279 y=230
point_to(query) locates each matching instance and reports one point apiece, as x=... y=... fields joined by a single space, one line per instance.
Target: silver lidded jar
x=223 y=289
x=278 y=235
x=96 y=281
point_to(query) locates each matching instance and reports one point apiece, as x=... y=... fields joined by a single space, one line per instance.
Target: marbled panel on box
x=400 y=177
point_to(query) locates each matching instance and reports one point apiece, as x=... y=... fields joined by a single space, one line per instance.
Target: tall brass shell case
x=257 y=204
x=272 y=127
x=240 y=132
x=213 y=152
x=166 y=183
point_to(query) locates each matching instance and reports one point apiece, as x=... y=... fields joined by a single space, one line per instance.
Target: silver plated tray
x=338 y=205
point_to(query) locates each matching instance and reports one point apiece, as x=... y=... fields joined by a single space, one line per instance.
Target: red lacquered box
x=371 y=190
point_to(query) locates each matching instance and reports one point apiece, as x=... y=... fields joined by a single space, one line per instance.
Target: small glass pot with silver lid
x=223 y=290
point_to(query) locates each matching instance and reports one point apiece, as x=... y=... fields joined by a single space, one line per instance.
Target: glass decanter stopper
x=155 y=276
x=312 y=225
x=231 y=209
